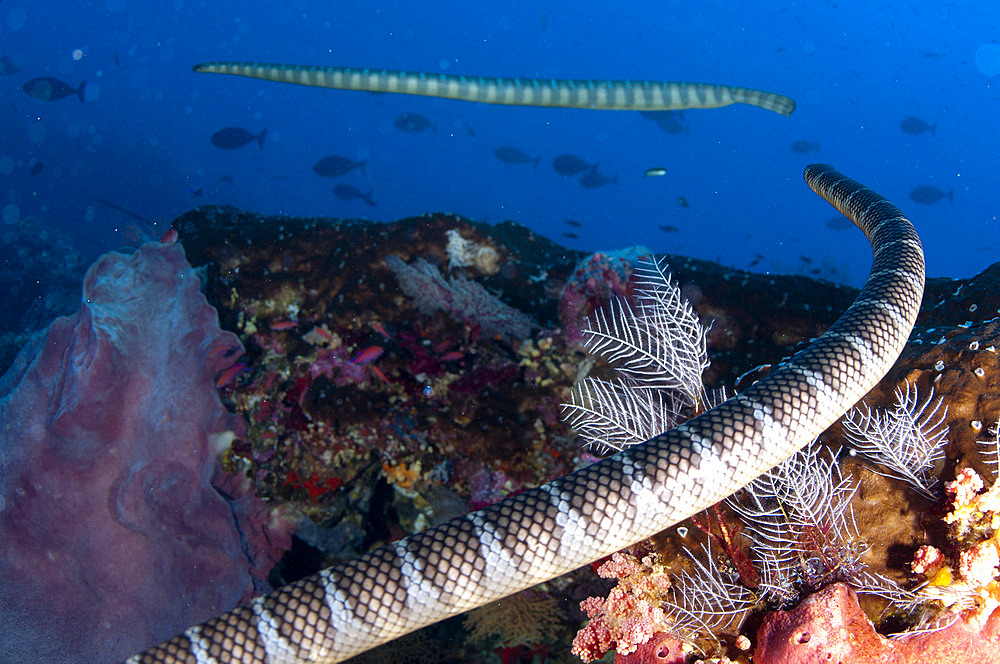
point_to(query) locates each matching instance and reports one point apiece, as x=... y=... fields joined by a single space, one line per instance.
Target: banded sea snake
x=566 y=93
x=574 y=520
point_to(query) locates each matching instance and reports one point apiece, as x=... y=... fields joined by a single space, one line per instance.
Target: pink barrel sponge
x=829 y=626
x=113 y=537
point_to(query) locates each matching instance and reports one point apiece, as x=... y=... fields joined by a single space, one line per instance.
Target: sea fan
x=906 y=441
x=528 y=618
x=463 y=299
x=658 y=350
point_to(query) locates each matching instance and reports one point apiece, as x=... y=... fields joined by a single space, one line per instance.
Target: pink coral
x=110 y=425
x=619 y=566
x=978 y=565
x=966 y=485
x=630 y=615
x=595 y=281
x=927 y=560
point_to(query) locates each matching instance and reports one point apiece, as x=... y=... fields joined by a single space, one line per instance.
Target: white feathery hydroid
x=658 y=349
x=906 y=441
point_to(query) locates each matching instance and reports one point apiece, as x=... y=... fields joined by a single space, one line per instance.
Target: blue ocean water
x=140 y=138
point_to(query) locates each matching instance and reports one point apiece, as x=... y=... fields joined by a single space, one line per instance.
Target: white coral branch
x=800 y=523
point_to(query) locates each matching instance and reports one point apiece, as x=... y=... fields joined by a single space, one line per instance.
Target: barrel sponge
x=110 y=426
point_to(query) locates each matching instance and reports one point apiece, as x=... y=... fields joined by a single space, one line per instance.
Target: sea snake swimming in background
x=586 y=515
x=553 y=92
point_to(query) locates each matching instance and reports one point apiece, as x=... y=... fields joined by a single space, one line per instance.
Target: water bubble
x=16 y=18
x=10 y=214
x=36 y=133
x=988 y=59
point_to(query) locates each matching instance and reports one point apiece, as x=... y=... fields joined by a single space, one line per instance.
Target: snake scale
x=558 y=92
x=574 y=520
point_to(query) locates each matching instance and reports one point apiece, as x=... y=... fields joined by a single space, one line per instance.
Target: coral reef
x=802 y=531
x=264 y=270
x=110 y=427
x=373 y=417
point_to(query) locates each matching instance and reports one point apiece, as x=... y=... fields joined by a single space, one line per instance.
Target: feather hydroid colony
x=658 y=350
x=906 y=441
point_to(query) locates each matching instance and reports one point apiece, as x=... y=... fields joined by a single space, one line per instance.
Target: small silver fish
x=655 y=172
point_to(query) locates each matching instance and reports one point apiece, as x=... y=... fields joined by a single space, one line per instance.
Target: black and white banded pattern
x=593 y=512
x=564 y=93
